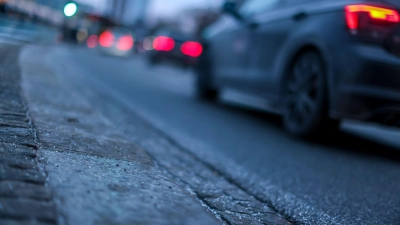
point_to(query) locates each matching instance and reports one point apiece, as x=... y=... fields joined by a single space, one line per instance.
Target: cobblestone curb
x=24 y=196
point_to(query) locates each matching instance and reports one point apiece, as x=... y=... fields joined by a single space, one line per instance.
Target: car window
x=394 y=2
x=120 y=30
x=254 y=7
x=298 y=2
x=173 y=33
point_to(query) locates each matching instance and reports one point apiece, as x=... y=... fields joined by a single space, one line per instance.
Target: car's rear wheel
x=204 y=87
x=305 y=103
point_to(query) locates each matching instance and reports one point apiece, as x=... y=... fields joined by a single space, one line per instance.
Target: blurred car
x=115 y=41
x=172 y=45
x=140 y=35
x=315 y=61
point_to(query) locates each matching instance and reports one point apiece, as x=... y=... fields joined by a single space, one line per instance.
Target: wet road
x=351 y=178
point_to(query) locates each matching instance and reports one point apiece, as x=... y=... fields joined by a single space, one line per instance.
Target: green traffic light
x=70 y=9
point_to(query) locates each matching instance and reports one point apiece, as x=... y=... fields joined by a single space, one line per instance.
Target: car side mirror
x=231 y=9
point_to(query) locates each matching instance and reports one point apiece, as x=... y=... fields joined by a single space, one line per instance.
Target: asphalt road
x=350 y=178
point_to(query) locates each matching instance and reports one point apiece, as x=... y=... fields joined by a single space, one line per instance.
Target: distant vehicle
x=116 y=41
x=172 y=45
x=316 y=61
x=140 y=35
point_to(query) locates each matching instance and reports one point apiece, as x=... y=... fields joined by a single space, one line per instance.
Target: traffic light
x=70 y=9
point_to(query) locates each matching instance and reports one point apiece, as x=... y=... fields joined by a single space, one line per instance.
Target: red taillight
x=191 y=48
x=106 y=39
x=163 y=43
x=92 y=41
x=125 y=43
x=375 y=13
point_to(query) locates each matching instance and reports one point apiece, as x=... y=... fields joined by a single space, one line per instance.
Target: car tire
x=305 y=99
x=204 y=87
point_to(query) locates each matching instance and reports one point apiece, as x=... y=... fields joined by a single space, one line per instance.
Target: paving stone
x=7 y=132
x=14 y=149
x=28 y=209
x=13 y=124
x=27 y=175
x=18 y=162
x=17 y=189
x=24 y=197
x=23 y=222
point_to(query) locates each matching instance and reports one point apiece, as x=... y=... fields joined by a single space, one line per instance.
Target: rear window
x=394 y=2
x=254 y=7
x=298 y=2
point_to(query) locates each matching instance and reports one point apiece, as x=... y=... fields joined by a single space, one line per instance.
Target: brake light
x=191 y=48
x=374 y=13
x=106 y=39
x=163 y=43
x=125 y=43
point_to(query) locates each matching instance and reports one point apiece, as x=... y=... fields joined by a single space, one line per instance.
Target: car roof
x=121 y=30
x=394 y=2
x=172 y=32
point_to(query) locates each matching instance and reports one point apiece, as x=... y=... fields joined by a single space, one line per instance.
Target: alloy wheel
x=304 y=93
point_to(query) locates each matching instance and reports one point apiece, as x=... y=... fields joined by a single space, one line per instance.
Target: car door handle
x=300 y=16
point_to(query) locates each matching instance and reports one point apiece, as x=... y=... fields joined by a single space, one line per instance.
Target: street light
x=70 y=9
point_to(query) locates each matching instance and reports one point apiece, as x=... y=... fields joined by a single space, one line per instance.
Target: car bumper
x=114 y=51
x=369 y=86
x=174 y=56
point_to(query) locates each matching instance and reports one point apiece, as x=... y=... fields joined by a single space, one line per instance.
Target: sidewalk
x=72 y=165
x=15 y=31
x=71 y=153
x=24 y=196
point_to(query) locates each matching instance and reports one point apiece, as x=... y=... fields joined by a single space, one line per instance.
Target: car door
x=257 y=45
x=275 y=26
x=227 y=50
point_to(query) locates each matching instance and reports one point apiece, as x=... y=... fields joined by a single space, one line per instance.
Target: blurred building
x=54 y=4
x=194 y=20
x=127 y=12
x=48 y=11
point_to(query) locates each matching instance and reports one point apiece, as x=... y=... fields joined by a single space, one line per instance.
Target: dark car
x=315 y=61
x=116 y=41
x=169 y=44
x=140 y=35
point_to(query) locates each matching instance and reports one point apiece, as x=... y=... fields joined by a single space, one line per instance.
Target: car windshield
x=253 y=7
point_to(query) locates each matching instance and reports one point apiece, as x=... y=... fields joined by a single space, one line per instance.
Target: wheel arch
x=311 y=45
